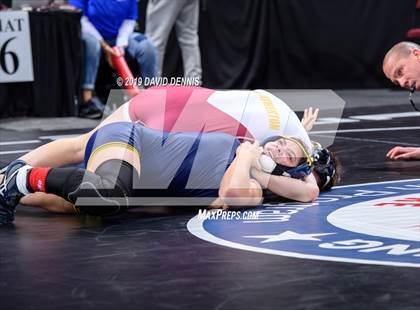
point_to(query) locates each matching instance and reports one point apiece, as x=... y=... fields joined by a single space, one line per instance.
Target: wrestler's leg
x=112 y=161
x=107 y=181
x=68 y=151
x=104 y=192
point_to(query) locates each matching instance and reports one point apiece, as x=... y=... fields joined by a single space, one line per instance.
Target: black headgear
x=324 y=166
x=299 y=172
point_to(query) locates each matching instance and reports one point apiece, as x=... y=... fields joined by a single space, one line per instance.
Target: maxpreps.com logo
x=377 y=223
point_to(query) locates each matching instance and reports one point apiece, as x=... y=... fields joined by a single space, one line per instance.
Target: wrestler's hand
x=404 y=153
x=309 y=118
x=252 y=152
x=218 y=204
x=48 y=202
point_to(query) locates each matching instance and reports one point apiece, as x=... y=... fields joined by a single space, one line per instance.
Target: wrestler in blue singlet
x=175 y=164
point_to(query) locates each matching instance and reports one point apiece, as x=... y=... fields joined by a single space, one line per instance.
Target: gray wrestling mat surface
x=357 y=247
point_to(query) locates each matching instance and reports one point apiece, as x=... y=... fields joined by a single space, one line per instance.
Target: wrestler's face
x=404 y=71
x=284 y=152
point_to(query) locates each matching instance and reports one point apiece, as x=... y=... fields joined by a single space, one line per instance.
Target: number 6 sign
x=15 y=48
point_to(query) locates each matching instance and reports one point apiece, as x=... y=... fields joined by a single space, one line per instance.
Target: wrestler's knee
x=106 y=192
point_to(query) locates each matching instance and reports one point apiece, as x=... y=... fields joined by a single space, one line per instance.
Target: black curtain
x=244 y=44
x=7 y=3
x=57 y=58
x=295 y=43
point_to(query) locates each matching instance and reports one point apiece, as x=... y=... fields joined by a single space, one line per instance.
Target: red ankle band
x=37 y=178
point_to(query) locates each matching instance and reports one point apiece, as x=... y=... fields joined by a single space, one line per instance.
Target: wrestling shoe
x=9 y=191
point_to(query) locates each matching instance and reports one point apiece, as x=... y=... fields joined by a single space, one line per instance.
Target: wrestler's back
x=242 y=113
x=185 y=163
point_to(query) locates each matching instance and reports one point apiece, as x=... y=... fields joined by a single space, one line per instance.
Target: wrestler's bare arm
x=237 y=188
x=67 y=151
x=300 y=190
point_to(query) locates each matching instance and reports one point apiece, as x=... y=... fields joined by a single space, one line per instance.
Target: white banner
x=15 y=48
